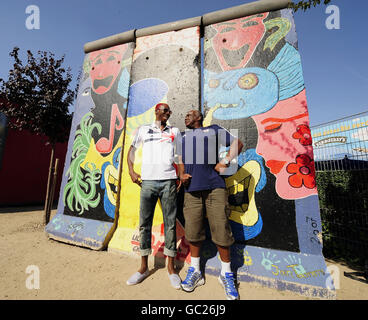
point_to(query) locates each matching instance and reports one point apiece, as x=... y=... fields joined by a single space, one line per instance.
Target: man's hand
x=221 y=167
x=185 y=179
x=136 y=178
x=178 y=185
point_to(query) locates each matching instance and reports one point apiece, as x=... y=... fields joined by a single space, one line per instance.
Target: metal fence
x=341 y=161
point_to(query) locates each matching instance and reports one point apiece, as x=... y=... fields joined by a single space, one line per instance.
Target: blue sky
x=334 y=61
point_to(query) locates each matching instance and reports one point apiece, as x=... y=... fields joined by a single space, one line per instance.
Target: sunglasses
x=166 y=110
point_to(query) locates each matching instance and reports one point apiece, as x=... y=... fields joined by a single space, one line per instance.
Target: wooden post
x=52 y=192
x=49 y=184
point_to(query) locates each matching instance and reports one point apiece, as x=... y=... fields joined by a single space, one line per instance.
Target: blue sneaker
x=193 y=280
x=229 y=286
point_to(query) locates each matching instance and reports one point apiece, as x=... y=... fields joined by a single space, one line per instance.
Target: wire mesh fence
x=341 y=162
x=344 y=205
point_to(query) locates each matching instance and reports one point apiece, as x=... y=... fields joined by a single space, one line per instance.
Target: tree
x=306 y=4
x=37 y=98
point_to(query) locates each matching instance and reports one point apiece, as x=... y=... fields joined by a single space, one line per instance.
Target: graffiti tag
x=294 y=272
x=317 y=238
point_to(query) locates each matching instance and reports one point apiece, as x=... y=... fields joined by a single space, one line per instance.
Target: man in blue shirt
x=201 y=172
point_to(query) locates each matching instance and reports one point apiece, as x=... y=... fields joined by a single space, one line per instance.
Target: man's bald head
x=198 y=115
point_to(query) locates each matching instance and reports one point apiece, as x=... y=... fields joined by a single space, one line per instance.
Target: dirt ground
x=71 y=272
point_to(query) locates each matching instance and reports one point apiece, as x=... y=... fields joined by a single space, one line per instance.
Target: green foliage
x=343 y=199
x=304 y=5
x=80 y=191
x=37 y=95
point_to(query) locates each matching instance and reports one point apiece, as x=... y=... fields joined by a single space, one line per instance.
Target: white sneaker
x=137 y=278
x=175 y=280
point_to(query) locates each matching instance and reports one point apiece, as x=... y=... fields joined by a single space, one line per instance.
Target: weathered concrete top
x=205 y=20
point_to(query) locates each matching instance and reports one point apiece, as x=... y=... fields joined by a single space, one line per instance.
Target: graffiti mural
x=285 y=143
x=253 y=84
x=166 y=68
x=89 y=188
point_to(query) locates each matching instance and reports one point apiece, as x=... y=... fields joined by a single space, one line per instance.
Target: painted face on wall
x=236 y=40
x=85 y=102
x=285 y=143
x=245 y=92
x=105 y=67
x=240 y=93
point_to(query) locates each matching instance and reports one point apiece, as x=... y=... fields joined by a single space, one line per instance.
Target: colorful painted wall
x=89 y=189
x=166 y=68
x=253 y=86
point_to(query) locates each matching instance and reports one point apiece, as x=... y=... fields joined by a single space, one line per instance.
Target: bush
x=343 y=199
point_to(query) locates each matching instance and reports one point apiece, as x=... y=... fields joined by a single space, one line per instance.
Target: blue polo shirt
x=200 y=154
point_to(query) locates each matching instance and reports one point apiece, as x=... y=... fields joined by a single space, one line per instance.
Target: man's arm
x=235 y=149
x=184 y=177
x=136 y=178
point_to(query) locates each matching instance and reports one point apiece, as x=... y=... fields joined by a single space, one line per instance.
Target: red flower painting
x=303 y=133
x=302 y=172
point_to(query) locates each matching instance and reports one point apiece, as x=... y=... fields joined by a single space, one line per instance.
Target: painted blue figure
x=123 y=84
x=145 y=94
x=245 y=92
x=84 y=102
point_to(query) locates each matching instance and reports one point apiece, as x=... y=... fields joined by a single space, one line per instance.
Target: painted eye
x=250 y=24
x=214 y=83
x=248 y=81
x=111 y=58
x=86 y=91
x=228 y=29
x=99 y=61
x=273 y=127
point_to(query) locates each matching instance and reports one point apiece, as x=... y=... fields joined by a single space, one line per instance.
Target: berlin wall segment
x=166 y=68
x=88 y=193
x=253 y=83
